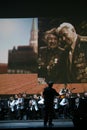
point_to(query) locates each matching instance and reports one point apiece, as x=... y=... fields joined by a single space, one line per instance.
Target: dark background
x=74 y=11
x=36 y=8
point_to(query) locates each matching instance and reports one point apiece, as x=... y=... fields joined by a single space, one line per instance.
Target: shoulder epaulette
x=83 y=38
x=43 y=47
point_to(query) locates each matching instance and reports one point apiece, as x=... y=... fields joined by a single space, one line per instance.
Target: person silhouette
x=49 y=94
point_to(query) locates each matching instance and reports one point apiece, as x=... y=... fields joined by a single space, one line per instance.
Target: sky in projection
x=14 y=32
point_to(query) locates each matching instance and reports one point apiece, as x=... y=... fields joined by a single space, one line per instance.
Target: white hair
x=65 y=25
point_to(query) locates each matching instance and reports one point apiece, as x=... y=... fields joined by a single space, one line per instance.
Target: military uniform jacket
x=78 y=72
x=48 y=63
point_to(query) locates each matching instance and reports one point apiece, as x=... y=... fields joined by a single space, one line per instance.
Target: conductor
x=49 y=93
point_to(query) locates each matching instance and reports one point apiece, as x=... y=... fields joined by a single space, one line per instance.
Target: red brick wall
x=19 y=83
x=3 y=68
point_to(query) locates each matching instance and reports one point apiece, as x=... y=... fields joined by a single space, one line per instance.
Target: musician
x=64 y=105
x=49 y=93
x=64 y=90
x=80 y=113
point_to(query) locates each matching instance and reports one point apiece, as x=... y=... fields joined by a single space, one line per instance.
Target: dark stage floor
x=23 y=124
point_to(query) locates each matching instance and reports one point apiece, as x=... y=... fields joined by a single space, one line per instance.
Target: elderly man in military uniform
x=74 y=54
x=49 y=57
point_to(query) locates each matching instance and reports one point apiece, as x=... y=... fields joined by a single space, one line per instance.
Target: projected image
x=62 y=50
x=18 y=45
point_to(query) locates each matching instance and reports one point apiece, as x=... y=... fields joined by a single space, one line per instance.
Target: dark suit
x=80 y=114
x=49 y=93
